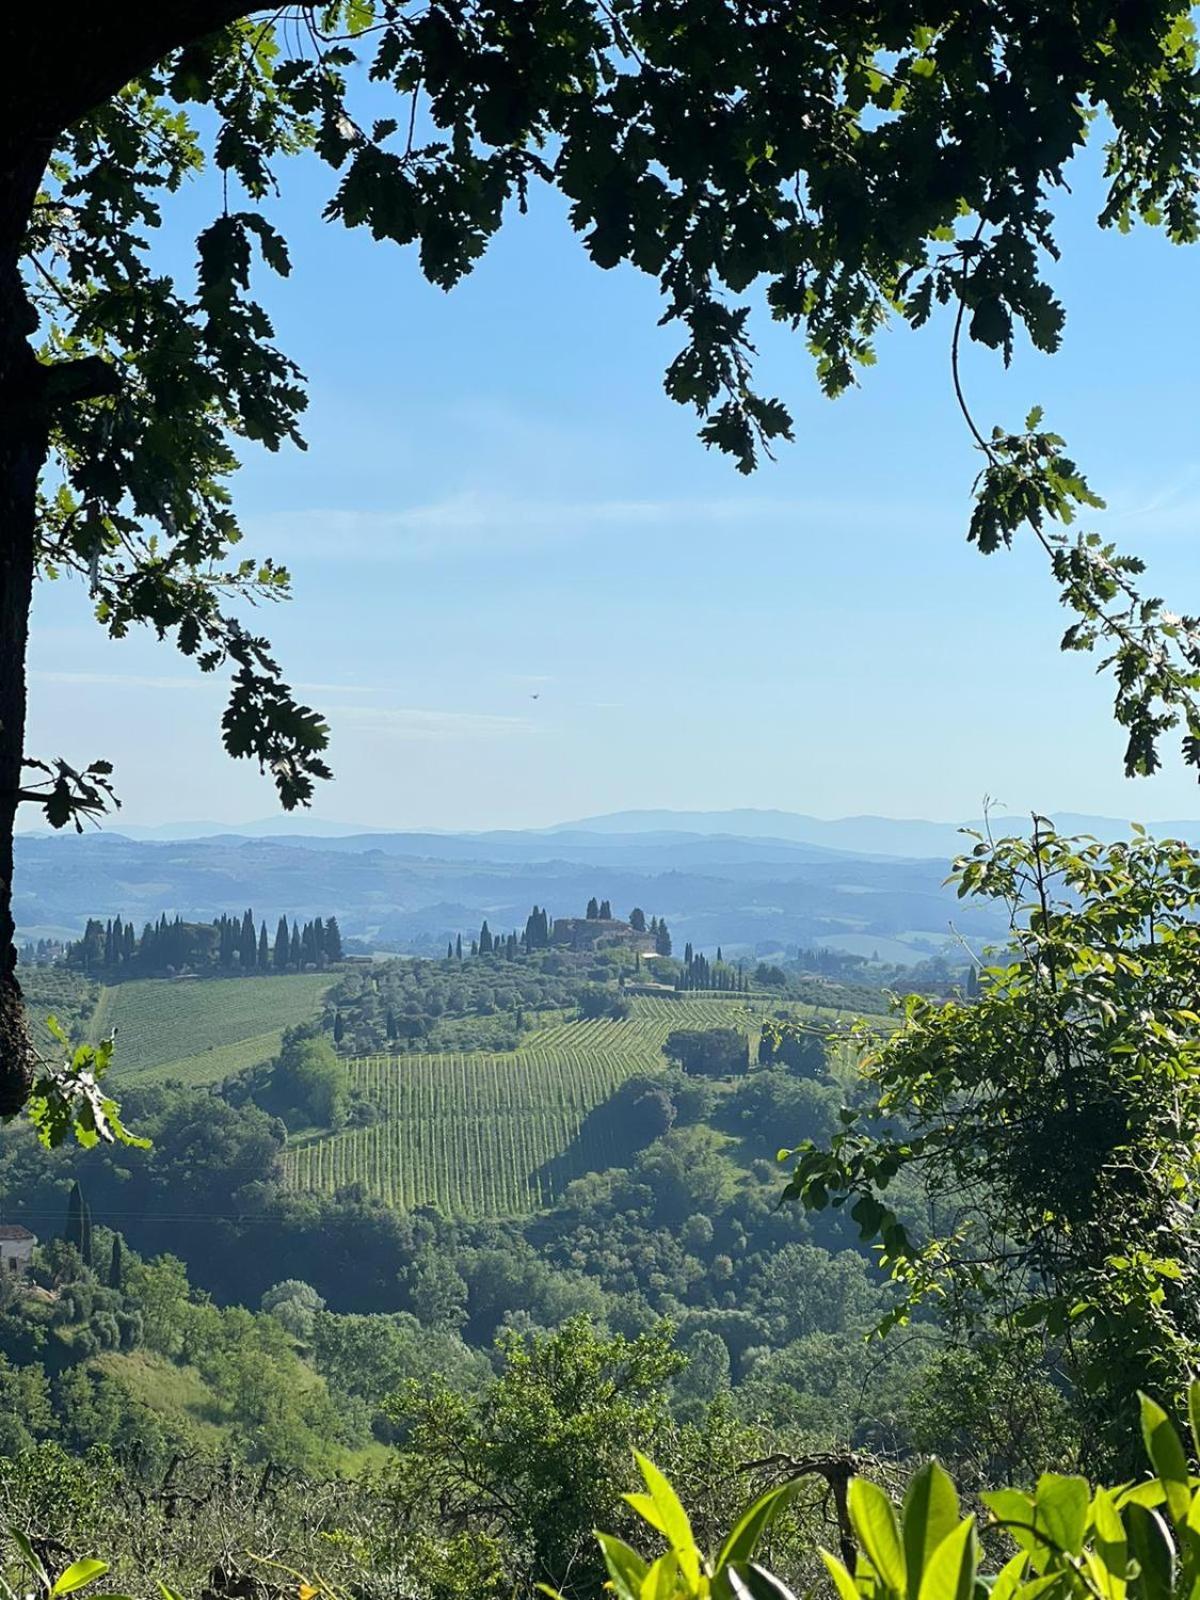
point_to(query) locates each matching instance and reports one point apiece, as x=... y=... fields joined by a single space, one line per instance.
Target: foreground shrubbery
x=1065 y=1538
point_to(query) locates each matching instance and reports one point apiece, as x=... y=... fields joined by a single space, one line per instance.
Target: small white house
x=16 y=1248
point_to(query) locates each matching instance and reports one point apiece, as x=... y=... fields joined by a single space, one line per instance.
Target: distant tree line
x=229 y=945
x=700 y=973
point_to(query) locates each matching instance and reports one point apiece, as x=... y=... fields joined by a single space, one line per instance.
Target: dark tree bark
x=23 y=435
x=56 y=64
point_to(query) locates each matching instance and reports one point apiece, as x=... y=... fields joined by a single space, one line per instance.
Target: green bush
x=1064 y=1539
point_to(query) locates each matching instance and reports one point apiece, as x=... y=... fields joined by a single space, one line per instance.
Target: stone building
x=16 y=1248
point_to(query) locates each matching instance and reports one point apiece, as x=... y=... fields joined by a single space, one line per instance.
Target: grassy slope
x=204 y=1029
x=476 y=1134
x=194 y=1413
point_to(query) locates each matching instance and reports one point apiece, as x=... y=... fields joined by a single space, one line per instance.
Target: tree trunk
x=56 y=64
x=23 y=440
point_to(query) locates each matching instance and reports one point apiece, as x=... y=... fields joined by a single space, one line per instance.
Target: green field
x=482 y=1135
x=202 y=1030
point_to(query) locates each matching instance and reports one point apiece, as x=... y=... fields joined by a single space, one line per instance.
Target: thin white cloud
x=414 y=723
x=1172 y=507
x=476 y=520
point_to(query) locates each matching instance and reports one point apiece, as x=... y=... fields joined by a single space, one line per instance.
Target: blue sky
x=499 y=501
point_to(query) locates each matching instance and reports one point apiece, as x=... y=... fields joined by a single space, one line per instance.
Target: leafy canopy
x=1051 y=1122
x=855 y=163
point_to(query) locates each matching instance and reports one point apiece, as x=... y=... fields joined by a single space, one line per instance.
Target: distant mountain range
x=915 y=838
x=865 y=835
x=414 y=891
x=755 y=882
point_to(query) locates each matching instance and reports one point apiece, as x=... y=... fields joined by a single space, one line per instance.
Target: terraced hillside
x=202 y=1030
x=480 y=1135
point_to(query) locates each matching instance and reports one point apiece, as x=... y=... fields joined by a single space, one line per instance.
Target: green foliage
x=595 y=1002
x=296 y=1304
x=1063 y=1538
x=67 y=1097
x=1086 y=1040
x=73 y=1579
x=539 y=1458
x=709 y=1052
x=306 y=1085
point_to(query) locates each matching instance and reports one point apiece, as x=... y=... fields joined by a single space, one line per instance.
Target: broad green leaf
x=950 y=1574
x=1194 y=1415
x=1152 y=1548
x=746 y=1580
x=753 y=1524
x=662 y=1510
x=1010 y=1577
x=875 y=1524
x=662 y=1578
x=626 y=1568
x=1047 y=1587
x=31 y=1556
x=1013 y=1510
x=930 y=1515
x=1150 y=1493
x=1111 y=1549
x=842 y=1581
x=1167 y=1458
x=1061 y=1505
x=78 y=1575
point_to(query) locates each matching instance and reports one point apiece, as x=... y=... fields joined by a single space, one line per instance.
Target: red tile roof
x=13 y=1232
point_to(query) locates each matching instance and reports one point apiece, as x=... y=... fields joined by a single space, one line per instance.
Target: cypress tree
x=485 y=939
x=282 y=945
x=593 y=910
x=264 y=949
x=339 y=1028
x=86 y=1232
x=605 y=911
x=116 y=1265
x=294 y=954
x=73 y=1232
x=333 y=941
x=474 y=947
x=458 y=947
x=248 y=944
x=449 y=949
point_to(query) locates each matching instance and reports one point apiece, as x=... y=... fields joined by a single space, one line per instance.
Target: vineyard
x=480 y=1134
x=201 y=1030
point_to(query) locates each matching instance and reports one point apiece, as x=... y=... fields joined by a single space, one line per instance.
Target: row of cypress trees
x=227 y=944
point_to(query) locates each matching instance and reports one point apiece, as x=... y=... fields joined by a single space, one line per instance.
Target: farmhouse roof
x=13 y=1232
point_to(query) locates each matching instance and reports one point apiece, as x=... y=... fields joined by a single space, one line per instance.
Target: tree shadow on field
x=639 y=1111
